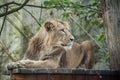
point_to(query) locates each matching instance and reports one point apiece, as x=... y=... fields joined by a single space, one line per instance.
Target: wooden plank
x=18 y=77
x=78 y=77
x=65 y=71
x=42 y=77
x=30 y=77
x=63 y=77
x=64 y=74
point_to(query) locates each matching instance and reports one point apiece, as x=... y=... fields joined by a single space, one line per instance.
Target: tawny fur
x=49 y=48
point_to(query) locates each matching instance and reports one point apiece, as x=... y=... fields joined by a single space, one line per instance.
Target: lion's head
x=57 y=33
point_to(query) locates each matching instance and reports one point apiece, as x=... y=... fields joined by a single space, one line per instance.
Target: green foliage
x=57 y=3
x=101 y=37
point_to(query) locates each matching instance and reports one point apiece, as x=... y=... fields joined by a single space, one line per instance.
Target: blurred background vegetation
x=84 y=17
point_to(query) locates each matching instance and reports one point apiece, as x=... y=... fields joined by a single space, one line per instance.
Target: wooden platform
x=63 y=74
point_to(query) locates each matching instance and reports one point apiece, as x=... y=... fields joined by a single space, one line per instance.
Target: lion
x=54 y=47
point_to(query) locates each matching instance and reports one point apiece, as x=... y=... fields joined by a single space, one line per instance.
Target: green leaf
x=107 y=57
x=47 y=3
x=101 y=37
x=66 y=14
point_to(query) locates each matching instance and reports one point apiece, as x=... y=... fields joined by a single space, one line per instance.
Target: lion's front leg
x=33 y=64
x=37 y=64
x=21 y=64
x=52 y=60
x=56 y=57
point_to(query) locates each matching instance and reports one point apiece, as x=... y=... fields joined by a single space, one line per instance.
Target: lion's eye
x=62 y=31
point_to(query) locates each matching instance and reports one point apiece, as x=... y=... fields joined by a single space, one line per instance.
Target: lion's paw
x=14 y=65
x=19 y=64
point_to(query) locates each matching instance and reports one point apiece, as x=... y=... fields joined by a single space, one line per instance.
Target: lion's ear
x=49 y=26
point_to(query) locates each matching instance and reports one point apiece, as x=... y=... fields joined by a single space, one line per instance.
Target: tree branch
x=25 y=4
x=40 y=13
x=6 y=9
x=16 y=27
x=6 y=4
x=5 y=49
x=32 y=16
x=15 y=9
x=30 y=5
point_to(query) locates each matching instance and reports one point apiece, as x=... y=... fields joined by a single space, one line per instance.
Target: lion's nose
x=71 y=38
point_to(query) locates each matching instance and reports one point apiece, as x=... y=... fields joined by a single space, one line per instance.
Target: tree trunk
x=111 y=19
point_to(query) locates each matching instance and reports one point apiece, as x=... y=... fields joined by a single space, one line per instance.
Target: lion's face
x=59 y=34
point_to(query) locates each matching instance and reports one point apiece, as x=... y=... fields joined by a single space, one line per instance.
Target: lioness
x=54 y=47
